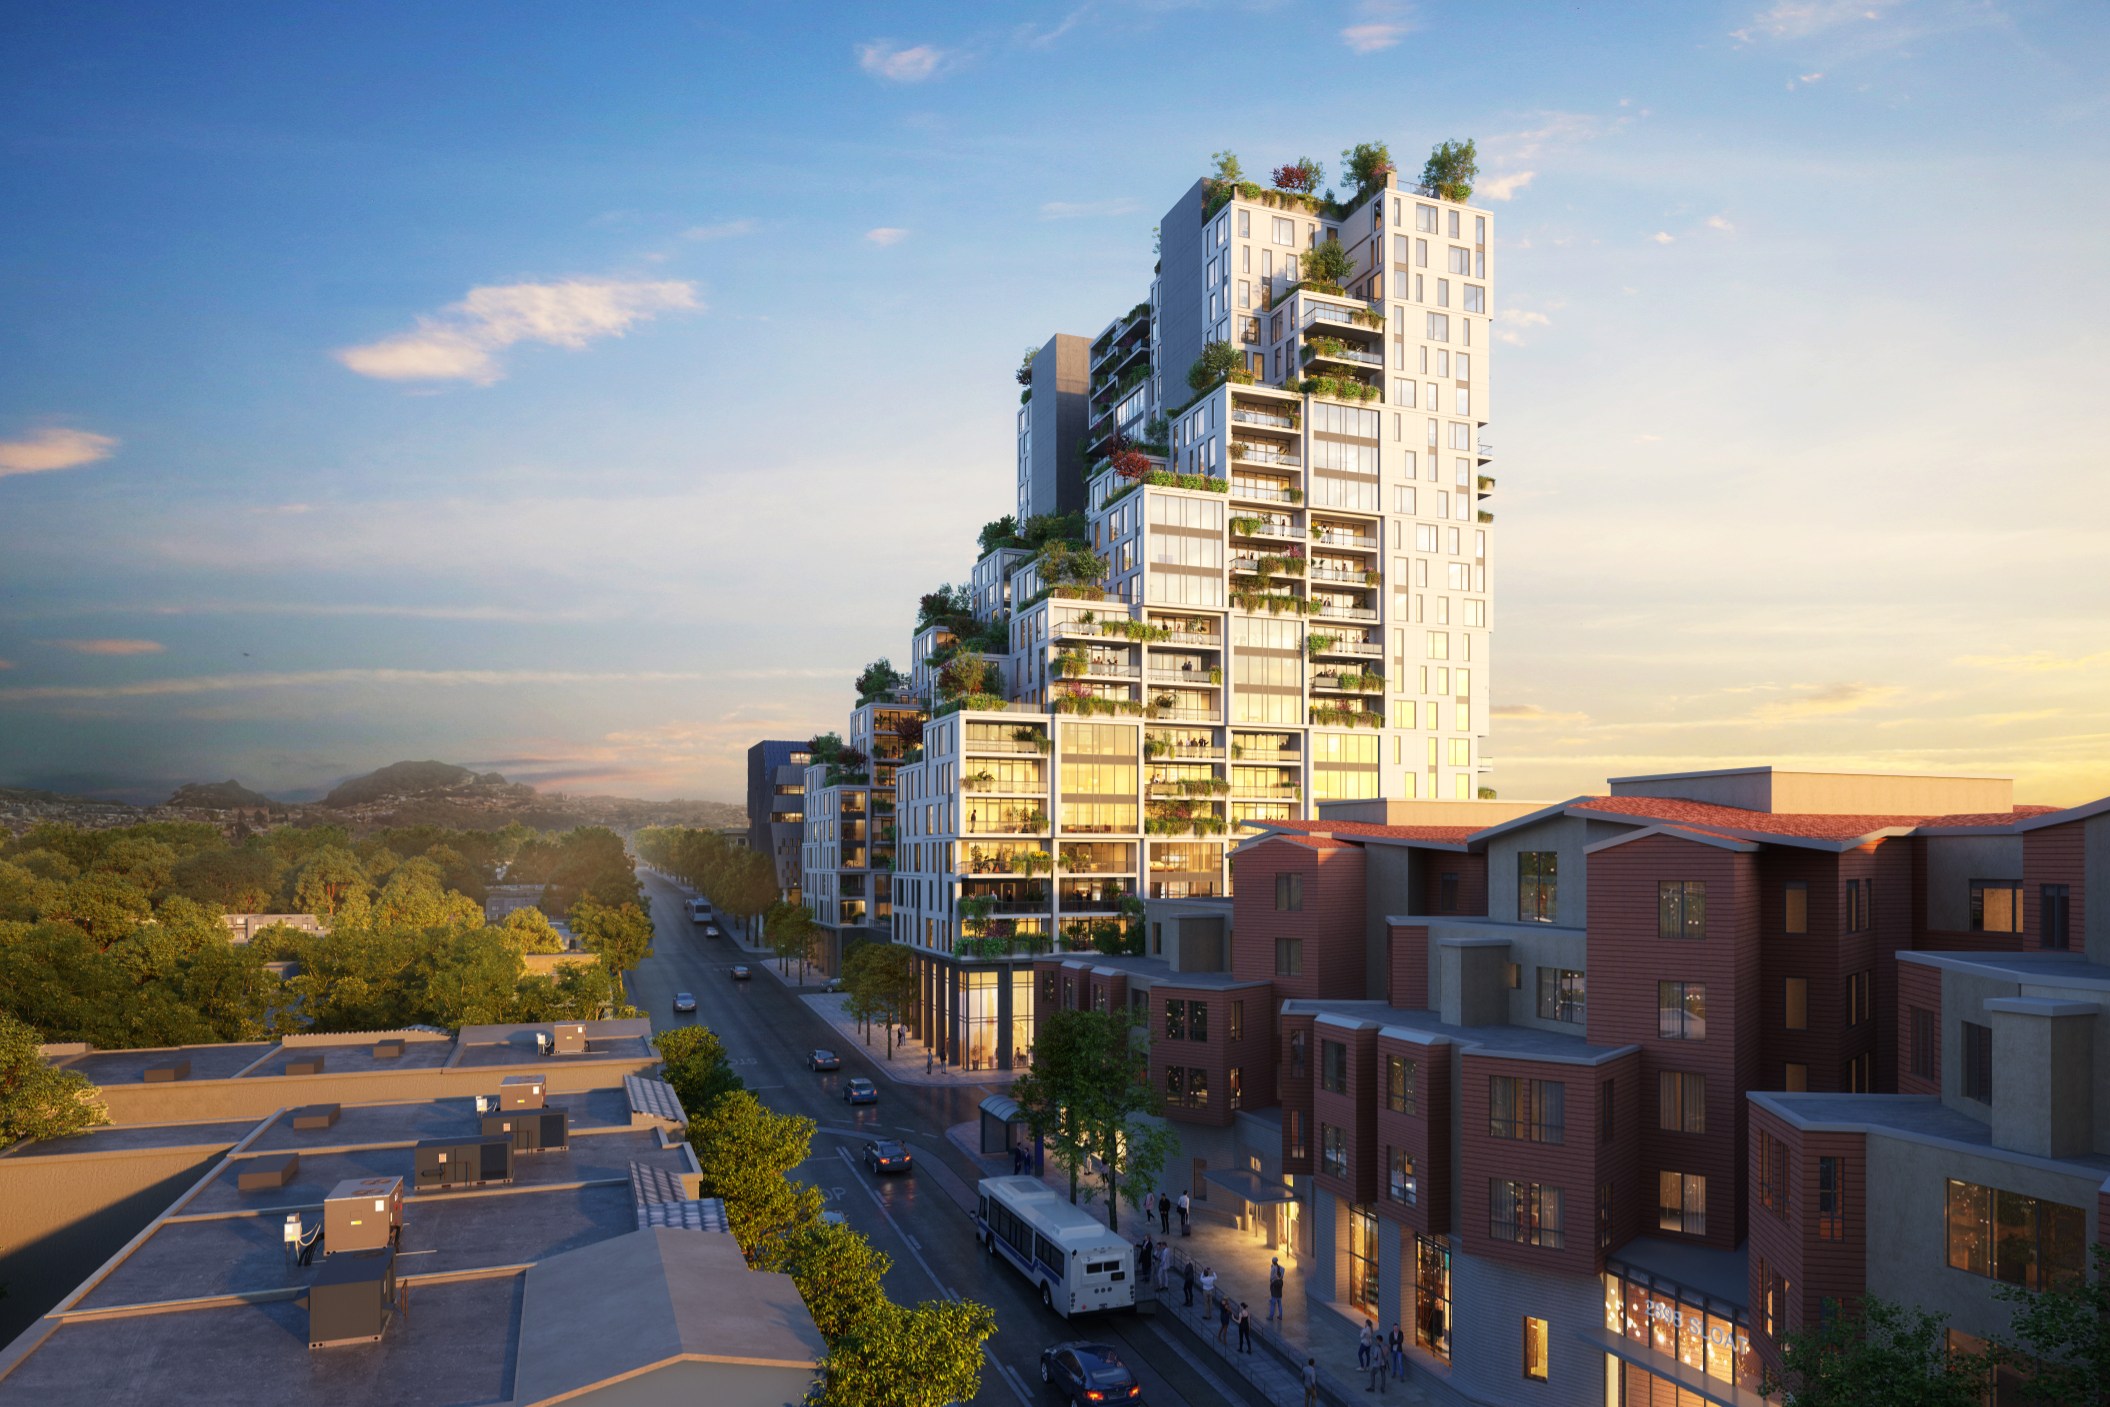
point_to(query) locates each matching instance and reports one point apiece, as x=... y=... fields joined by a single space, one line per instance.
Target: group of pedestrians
x=1166 y=1206
x=1381 y=1356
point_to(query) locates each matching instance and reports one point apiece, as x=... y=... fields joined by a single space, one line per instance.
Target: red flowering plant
x=1130 y=464
x=1302 y=176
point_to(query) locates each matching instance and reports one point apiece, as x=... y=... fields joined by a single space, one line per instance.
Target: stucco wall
x=1489 y=1302
x=1953 y=862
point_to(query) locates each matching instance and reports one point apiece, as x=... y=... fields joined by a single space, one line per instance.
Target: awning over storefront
x=1250 y=1185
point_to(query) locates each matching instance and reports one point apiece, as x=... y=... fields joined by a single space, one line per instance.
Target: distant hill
x=229 y=795
x=406 y=779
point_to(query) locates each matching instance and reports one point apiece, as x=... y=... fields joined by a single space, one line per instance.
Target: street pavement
x=921 y=1219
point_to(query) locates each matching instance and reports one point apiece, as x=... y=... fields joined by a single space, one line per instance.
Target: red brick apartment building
x=1590 y=1096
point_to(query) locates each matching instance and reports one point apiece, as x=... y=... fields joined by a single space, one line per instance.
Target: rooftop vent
x=571 y=1038
x=521 y=1092
x=167 y=1070
x=351 y=1299
x=267 y=1174
x=315 y=1116
x=310 y=1064
x=362 y=1214
x=531 y=1130
x=442 y=1163
x=388 y=1050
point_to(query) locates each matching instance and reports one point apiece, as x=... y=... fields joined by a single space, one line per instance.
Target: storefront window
x=1021 y=1018
x=979 y=997
x=1700 y=1333
x=1432 y=1298
x=1362 y=1258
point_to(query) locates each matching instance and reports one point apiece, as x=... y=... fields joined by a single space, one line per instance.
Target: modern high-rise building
x=1248 y=572
x=776 y=813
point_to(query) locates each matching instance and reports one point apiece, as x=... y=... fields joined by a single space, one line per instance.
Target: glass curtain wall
x=978 y=993
x=1021 y=1018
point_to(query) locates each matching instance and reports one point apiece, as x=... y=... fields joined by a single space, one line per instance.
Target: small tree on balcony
x=1227 y=171
x=1367 y=164
x=1003 y=532
x=1301 y=176
x=1025 y=366
x=1217 y=361
x=1328 y=264
x=1130 y=464
x=1451 y=170
x=878 y=680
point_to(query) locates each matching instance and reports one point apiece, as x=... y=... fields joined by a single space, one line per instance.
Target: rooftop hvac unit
x=388 y=1050
x=167 y=1070
x=571 y=1038
x=351 y=1298
x=543 y=1045
x=532 y=1130
x=521 y=1092
x=267 y=1174
x=485 y=1103
x=363 y=1214
x=315 y=1116
x=442 y=1163
x=304 y=1065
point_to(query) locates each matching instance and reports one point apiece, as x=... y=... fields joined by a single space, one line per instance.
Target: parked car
x=711 y=930
x=887 y=1155
x=859 y=1090
x=824 y=1060
x=740 y=972
x=1088 y=1372
x=684 y=1001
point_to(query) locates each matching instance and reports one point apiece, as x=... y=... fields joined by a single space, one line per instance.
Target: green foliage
x=331 y=881
x=1001 y=532
x=532 y=932
x=1367 y=164
x=239 y=880
x=693 y=1061
x=1877 y=1355
x=1025 y=367
x=949 y=606
x=840 y=1276
x=2062 y=1333
x=923 y=1357
x=1063 y=563
x=746 y=1153
x=1451 y=170
x=880 y=979
x=1217 y=361
x=620 y=936
x=1087 y=1095
x=588 y=862
x=740 y=881
x=791 y=931
x=1328 y=263
x=37 y=1101
x=878 y=680
x=1226 y=169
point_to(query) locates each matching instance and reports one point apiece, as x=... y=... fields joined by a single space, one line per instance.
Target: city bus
x=1080 y=1266
x=699 y=911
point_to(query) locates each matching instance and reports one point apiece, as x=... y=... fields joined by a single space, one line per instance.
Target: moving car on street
x=711 y=930
x=1088 y=1372
x=699 y=911
x=887 y=1155
x=740 y=972
x=860 y=1091
x=684 y=1001
x=824 y=1060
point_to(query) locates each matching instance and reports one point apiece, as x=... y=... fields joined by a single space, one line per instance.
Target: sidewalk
x=909 y=1062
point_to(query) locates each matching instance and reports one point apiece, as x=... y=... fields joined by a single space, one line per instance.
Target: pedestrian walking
x=1311 y=1382
x=1398 y=1345
x=1223 y=1321
x=1164 y=1259
x=1378 y=1366
x=1245 y=1328
x=1164 y=1214
x=1362 y=1347
x=1274 y=1288
x=1190 y=1284
x=1184 y=1230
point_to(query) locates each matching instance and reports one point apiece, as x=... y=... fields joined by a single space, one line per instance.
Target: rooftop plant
x=1451 y=170
x=1367 y=164
x=1216 y=363
x=879 y=680
x=1328 y=262
x=1025 y=366
x=1301 y=176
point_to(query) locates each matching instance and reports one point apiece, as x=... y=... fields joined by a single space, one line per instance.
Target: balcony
x=1348 y=576
x=1240 y=415
x=1331 y=349
x=1264 y=491
x=1188 y=715
x=1208 y=639
x=1342 y=645
x=1285 y=792
x=1330 y=611
x=1069 y=666
x=1243 y=753
x=1189 y=750
x=1184 y=889
x=1005 y=820
x=1343 y=537
x=1194 y=678
x=983 y=784
x=1264 y=525
x=1360 y=318
x=1349 y=683
x=1268 y=456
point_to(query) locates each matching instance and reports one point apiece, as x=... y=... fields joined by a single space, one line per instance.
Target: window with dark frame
x=1289 y=893
x=1333 y=1150
x=1527 y=1110
x=1333 y=1067
x=1681 y=1203
x=1831 y=1199
x=1562 y=995
x=2022 y=1240
x=1401 y=1078
x=1796 y=916
x=1447 y=892
x=1296 y=1053
x=1860 y=895
x=1977 y=1063
x=1524 y=1214
x=1538 y=884
x=1237 y=1086
x=1860 y=997
x=1681 y=908
x=1773 y=1174
x=1402 y=1178
x=1795 y=1003
x=1921 y=1023
x=1197 y=1020
x=1175 y=1019
x=1604 y=1216
x=1238 y=1019
x=1681 y=1011
x=1605 y=1122
x=1681 y=1101
x=1289 y=957
x=2052 y=921
x=1996 y=906
x=1294 y=1121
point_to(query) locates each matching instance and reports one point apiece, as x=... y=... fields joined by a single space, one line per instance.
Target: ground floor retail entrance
x=975 y=1016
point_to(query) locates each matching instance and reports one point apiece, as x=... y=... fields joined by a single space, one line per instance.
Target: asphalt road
x=916 y=1218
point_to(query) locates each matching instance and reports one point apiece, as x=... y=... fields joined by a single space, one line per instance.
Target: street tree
x=37 y=1101
x=2061 y=1352
x=1056 y=1094
x=1876 y=1354
x=330 y=881
x=621 y=936
x=746 y=1153
x=881 y=981
x=923 y=1357
x=532 y=932
x=792 y=933
x=695 y=1064
x=840 y=1275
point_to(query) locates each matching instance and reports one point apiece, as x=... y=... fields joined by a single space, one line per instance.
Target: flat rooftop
x=2030 y=967
x=1920 y=1117
x=1525 y=1042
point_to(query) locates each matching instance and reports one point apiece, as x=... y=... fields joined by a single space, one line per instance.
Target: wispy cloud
x=723 y=229
x=1664 y=237
x=1721 y=223
x=1084 y=209
x=886 y=235
x=322 y=678
x=55 y=447
x=1384 y=23
x=1505 y=187
x=1512 y=322
x=459 y=342
x=1824 y=701
x=283 y=510
x=1532 y=713
x=2039 y=662
x=1799 y=19
x=883 y=58
x=109 y=647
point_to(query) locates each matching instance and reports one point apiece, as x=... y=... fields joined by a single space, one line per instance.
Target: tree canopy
x=1451 y=170
x=37 y=1101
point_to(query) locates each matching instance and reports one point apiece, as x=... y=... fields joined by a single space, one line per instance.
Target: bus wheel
x=1047 y=1296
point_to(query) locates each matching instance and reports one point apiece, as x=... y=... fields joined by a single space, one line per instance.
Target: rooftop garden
x=879 y=681
x=1365 y=169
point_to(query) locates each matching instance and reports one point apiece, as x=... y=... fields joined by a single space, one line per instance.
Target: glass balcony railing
x=1242 y=416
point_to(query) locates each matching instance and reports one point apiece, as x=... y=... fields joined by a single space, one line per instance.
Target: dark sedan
x=860 y=1091
x=1088 y=1372
x=887 y=1155
x=740 y=972
x=824 y=1060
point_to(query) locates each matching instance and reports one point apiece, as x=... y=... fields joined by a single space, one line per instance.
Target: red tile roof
x=1443 y=835
x=1798 y=826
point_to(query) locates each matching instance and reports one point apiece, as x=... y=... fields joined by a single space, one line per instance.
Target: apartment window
x=1996 y=906
x=1681 y=1011
x=1237 y=1087
x=1297 y=1147
x=1289 y=957
x=1425 y=219
x=1604 y=1216
x=1529 y=1111
x=1524 y=1213
x=1773 y=1301
x=1296 y=1054
x=1798 y=907
x=1439 y=326
x=1333 y=1067
x=1977 y=1062
x=1474 y=298
x=1681 y=1203
x=1561 y=995
x=1537 y=1345
x=1606 y=1125
x=1920 y=1022
x=1860 y=996
x=1681 y=1102
x=1681 y=908
x=2052 y=929
x=2022 y=1240
x=1197 y=1020
x=1289 y=893
x=1402 y=1179
x=1175 y=1020
x=1284 y=231
x=1831 y=1199
x=1447 y=897
x=1860 y=905
x=1238 y=1019
x=1245 y=224
x=1402 y=1076
x=1333 y=1150
x=1772 y=1174
x=1538 y=882
x=1795 y=1003
x=1795 y=1077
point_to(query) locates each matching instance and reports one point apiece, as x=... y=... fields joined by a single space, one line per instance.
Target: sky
x=584 y=392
